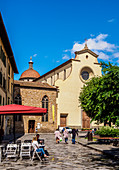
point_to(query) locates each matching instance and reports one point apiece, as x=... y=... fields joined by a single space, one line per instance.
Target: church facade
x=69 y=78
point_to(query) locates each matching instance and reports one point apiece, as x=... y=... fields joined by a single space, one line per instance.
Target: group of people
x=35 y=143
x=58 y=135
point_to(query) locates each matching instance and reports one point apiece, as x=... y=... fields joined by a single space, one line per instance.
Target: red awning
x=21 y=109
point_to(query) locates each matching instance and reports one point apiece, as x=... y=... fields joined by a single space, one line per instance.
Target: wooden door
x=85 y=120
x=62 y=121
x=31 y=126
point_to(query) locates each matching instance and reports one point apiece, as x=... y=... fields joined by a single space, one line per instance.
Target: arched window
x=45 y=105
x=18 y=100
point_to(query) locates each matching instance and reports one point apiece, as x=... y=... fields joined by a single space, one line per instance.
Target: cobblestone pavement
x=63 y=156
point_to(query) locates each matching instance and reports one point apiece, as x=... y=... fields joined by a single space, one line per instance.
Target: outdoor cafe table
x=1 y=147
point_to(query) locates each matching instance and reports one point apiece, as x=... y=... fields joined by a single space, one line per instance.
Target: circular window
x=85 y=75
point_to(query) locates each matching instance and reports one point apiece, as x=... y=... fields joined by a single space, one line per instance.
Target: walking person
x=57 y=135
x=65 y=133
x=73 y=135
x=77 y=131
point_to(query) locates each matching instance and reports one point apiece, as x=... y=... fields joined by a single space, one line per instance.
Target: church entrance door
x=63 y=120
x=31 y=126
x=85 y=120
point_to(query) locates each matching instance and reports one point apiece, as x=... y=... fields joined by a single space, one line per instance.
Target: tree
x=99 y=97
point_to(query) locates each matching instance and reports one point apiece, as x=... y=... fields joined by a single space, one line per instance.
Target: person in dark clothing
x=40 y=141
x=77 y=131
x=73 y=135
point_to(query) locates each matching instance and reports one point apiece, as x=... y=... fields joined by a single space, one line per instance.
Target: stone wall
x=33 y=97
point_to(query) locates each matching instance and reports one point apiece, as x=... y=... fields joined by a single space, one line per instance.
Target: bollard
x=90 y=136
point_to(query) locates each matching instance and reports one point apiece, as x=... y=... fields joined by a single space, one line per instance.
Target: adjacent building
x=37 y=94
x=7 y=69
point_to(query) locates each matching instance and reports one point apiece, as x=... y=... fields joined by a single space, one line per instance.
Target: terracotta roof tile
x=34 y=84
x=30 y=73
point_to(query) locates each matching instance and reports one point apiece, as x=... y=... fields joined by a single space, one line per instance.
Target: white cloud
x=65 y=57
x=77 y=47
x=111 y=20
x=116 y=55
x=98 y=43
x=101 y=37
x=34 y=55
x=66 y=50
x=57 y=61
x=102 y=55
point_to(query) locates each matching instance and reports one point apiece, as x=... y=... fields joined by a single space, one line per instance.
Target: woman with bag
x=58 y=136
x=65 y=133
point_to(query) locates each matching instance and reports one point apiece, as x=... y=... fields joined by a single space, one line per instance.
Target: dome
x=30 y=73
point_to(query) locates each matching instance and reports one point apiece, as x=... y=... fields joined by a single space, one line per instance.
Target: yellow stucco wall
x=70 y=88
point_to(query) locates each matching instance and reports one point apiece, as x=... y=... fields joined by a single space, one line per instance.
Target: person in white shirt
x=57 y=136
x=36 y=147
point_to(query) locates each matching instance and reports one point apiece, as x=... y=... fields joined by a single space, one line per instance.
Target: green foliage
x=107 y=131
x=117 y=121
x=99 y=97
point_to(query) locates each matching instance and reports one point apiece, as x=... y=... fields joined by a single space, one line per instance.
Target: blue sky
x=51 y=30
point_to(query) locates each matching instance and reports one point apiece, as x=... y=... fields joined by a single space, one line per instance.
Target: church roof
x=30 y=73
x=34 y=85
x=56 y=68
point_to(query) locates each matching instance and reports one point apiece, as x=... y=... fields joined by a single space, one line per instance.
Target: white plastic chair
x=25 y=150
x=35 y=153
x=12 y=151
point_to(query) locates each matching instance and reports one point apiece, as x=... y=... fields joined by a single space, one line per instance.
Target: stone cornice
x=86 y=51
x=34 y=85
x=98 y=64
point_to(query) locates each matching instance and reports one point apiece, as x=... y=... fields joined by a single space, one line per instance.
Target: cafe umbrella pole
x=14 y=127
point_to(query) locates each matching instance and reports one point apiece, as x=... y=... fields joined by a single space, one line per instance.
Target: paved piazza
x=63 y=156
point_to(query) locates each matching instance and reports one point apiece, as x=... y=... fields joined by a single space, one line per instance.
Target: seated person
x=39 y=140
x=36 y=147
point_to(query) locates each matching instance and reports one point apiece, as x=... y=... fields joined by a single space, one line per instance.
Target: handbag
x=60 y=139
